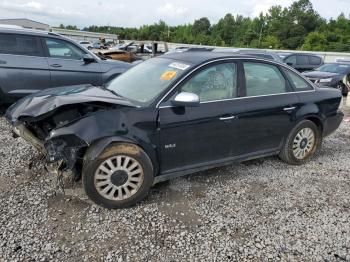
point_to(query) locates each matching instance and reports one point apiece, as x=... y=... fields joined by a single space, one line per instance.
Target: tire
x=293 y=149
x=123 y=168
x=342 y=87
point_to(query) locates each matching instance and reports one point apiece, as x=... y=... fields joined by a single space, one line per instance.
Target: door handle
x=56 y=65
x=227 y=118
x=289 y=108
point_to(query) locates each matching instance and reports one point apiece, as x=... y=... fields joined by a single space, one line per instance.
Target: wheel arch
x=317 y=121
x=97 y=147
x=311 y=112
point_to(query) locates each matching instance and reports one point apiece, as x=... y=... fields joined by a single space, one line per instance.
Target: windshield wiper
x=112 y=91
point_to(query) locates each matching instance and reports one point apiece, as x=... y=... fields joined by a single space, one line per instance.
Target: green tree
x=298 y=26
x=201 y=26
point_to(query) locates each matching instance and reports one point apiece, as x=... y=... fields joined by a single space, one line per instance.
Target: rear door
x=265 y=112
x=66 y=64
x=303 y=63
x=315 y=61
x=23 y=67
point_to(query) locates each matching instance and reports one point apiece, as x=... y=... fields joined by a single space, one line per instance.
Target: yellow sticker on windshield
x=168 y=75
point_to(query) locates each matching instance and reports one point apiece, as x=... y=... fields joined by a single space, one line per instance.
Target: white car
x=86 y=44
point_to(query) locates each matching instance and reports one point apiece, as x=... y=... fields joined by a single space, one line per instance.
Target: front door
x=67 y=66
x=195 y=136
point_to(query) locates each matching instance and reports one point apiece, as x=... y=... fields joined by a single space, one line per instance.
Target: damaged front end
x=45 y=121
x=62 y=152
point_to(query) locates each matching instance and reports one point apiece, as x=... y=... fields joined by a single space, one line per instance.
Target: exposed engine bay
x=69 y=151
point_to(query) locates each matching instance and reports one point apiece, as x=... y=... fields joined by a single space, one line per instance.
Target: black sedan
x=174 y=115
x=336 y=75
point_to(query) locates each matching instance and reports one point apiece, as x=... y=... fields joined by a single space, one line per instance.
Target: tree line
x=297 y=27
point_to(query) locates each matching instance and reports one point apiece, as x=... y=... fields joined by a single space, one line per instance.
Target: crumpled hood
x=52 y=98
x=319 y=74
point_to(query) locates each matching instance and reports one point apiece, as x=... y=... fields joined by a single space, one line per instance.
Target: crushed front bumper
x=64 y=151
x=27 y=135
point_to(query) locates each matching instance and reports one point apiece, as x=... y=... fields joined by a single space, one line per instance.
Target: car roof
x=26 y=31
x=199 y=57
x=303 y=54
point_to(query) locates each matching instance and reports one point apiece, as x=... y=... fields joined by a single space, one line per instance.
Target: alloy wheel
x=118 y=177
x=304 y=143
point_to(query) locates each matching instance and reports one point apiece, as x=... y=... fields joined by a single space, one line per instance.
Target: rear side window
x=263 y=79
x=315 y=60
x=17 y=44
x=302 y=60
x=63 y=49
x=298 y=82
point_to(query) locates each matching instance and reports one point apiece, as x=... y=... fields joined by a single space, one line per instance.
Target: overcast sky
x=129 y=13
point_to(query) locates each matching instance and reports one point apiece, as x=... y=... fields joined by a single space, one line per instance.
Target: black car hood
x=319 y=74
x=52 y=98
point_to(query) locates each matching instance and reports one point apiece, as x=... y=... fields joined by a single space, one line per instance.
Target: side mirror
x=87 y=58
x=290 y=64
x=186 y=99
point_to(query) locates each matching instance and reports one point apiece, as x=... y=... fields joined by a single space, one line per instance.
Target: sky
x=134 y=13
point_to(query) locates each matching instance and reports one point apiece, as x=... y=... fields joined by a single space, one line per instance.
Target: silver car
x=32 y=60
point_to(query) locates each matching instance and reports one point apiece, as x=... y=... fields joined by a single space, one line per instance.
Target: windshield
x=335 y=68
x=146 y=81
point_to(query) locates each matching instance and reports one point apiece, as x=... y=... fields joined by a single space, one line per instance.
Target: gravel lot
x=259 y=210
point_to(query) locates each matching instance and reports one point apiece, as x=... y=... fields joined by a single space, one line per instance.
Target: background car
x=332 y=74
x=96 y=45
x=173 y=115
x=31 y=61
x=303 y=62
x=252 y=52
x=86 y=44
x=182 y=49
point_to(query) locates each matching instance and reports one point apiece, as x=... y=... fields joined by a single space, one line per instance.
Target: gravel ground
x=259 y=210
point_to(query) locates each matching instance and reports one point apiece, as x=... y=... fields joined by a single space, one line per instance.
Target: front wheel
x=301 y=143
x=121 y=176
x=343 y=88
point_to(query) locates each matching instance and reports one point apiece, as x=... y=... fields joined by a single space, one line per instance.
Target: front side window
x=298 y=82
x=216 y=82
x=17 y=44
x=63 y=49
x=263 y=79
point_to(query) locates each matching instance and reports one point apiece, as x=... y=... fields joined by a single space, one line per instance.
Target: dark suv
x=34 y=60
x=303 y=62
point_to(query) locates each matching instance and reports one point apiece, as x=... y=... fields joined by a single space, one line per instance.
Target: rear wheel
x=301 y=143
x=121 y=176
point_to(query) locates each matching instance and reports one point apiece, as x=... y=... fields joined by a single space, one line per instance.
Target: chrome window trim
x=66 y=59
x=246 y=97
x=235 y=59
x=24 y=55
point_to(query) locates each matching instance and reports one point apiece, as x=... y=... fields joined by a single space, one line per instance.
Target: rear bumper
x=332 y=123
